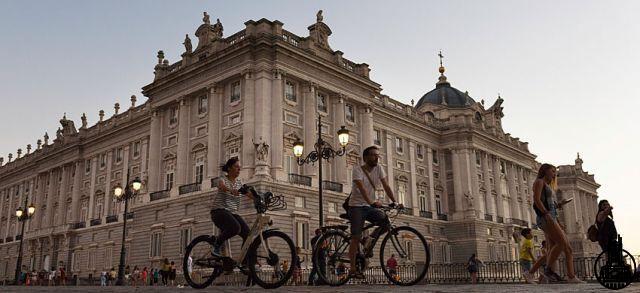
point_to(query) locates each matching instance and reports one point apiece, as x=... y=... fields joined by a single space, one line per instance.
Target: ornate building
x=252 y=94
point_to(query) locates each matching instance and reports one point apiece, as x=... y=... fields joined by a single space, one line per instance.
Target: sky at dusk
x=568 y=71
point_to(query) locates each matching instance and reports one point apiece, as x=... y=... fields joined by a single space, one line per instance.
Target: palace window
x=419 y=152
x=185 y=238
x=322 y=103
x=235 y=92
x=136 y=149
x=349 y=113
x=302 y=234
x=435 y=157
x=199 y=169
x=290 y=91
x=376 y=137
x=203 y=104
x=119 y=155
x=398 y=145
x=173 y=115
x=423 y=199
x=155 y=245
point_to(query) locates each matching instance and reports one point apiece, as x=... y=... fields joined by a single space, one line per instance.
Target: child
x=526 y=254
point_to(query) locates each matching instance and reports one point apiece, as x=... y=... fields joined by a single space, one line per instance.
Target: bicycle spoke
x=272 y=262
x=404 y=256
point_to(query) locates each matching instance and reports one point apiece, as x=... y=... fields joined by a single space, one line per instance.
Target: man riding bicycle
x=362 y=203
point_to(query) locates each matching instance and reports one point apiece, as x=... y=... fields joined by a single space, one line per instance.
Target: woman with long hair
x=607 y=232
x=547 y=219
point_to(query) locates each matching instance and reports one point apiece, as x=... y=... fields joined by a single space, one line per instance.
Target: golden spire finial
x=441 y=69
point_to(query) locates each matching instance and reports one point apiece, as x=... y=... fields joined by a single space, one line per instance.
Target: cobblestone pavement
x=493 y=288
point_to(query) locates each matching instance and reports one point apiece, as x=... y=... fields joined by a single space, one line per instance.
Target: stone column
x=262 y=122
x=432 y=190
x=214 y=126
x=155 y=147
x=277 y=128
x=414 y=186
x=144 y=164
x=489 y=202
x=513 y=196
x=523 y=196
x=478 y=199
x=10 y=211
x=2 y=207
x=532 y=178
x=53 y=182
x=75 y=195
x=108 y=189
x=585 y=210
x=62 y=200
x=389 y=156
x=182 y=160
x=92 y=187
x=497 y=179
x=339 y=163
x=458 y=192
x=444 y=201
x=248 y=124
x=310 y=127
x=367 y=127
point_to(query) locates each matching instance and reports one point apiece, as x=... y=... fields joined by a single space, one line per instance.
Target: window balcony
x=426 y=214
x=333 y=186
x=299 y=179
x=112 y=218
x=188 y=188
x=158 y=195
x=442 y=217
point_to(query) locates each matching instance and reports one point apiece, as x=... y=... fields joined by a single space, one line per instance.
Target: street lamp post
x=129 y=192
x=322 y=150
x=22 y=216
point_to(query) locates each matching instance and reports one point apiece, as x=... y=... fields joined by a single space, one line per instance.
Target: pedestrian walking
x=392 y=265
x=526 y=255
x=166 y=269
x=63 y=275
x=156 y=276
x=313 y=276
x=472 y=266
x=607 y=232
x=135 y=277
x=172 y=274
x=547 y=219
x=127 y=274
x=112 y=276
x=103 y=279
x=143 y=276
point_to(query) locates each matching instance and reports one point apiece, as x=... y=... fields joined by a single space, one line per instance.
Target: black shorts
x=358 y=215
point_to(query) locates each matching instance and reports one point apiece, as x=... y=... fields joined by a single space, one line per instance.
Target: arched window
x=199 y=159
x=438 y=204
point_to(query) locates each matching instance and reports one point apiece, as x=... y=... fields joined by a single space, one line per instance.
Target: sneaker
x=575 y=280
x=551 y=276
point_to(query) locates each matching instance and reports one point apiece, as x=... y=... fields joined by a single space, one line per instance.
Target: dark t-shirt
x=607 y=232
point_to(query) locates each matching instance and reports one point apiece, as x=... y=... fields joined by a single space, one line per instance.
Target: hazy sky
x=568 y=71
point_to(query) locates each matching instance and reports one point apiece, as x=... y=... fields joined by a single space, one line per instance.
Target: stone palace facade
x=252 y=94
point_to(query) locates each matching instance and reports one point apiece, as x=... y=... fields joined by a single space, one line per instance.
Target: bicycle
x=616 y=270
x=262 y=256
x=332 y=252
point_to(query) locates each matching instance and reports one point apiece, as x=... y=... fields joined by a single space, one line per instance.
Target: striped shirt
x=226 y=200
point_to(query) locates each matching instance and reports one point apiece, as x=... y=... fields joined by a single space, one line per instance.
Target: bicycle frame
x=257 y=228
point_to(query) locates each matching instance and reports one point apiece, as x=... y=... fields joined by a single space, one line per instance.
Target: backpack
x=592 y=232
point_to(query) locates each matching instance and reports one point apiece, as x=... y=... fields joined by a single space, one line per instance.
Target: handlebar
x=264 y=201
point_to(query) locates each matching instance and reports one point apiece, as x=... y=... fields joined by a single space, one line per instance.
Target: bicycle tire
x=215 y=271
x=317 y=257
x=427 y=259
x=252 y=260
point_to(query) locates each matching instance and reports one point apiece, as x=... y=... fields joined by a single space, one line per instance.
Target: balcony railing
x=500 y=219
x=426 y=214
x=488 y=217
x=112 y=218
x=78 y=225
x=18 y=237
x=8 y=239
x=333 y=186
x=299 y=179
x=158 y=195
x=189 y=188
x=520 y=222
x=442 y=217
x=130 y=216
x=95 y=222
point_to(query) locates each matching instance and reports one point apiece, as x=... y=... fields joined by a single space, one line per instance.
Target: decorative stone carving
x=116 y=108
x=262 y=150
x=1 y=161
x=218 y=29
x=84 y=121
x=28 y=149
x=68 y=127
x=469 y=199
x=19 y=152
x=9 y=156
x=319 y=16
x=319 y=32
x=59 y=134
x=188 y=47
x=133 y=100
x=46 y=138
x=101 y=114
x=205 y=19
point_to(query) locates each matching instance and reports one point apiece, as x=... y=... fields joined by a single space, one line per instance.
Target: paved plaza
x=590 y=287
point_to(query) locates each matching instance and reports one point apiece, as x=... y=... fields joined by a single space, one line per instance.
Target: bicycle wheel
x=204 y=267
x=614 y=274
x=411 y=253
x=271 y=263
x=332 y=257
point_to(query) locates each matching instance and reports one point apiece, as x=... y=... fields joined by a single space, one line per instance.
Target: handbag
x=592 y=232
x=345 y=204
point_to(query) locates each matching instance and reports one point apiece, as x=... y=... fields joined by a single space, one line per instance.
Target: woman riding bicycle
x=226 y=204
x=362 y=204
